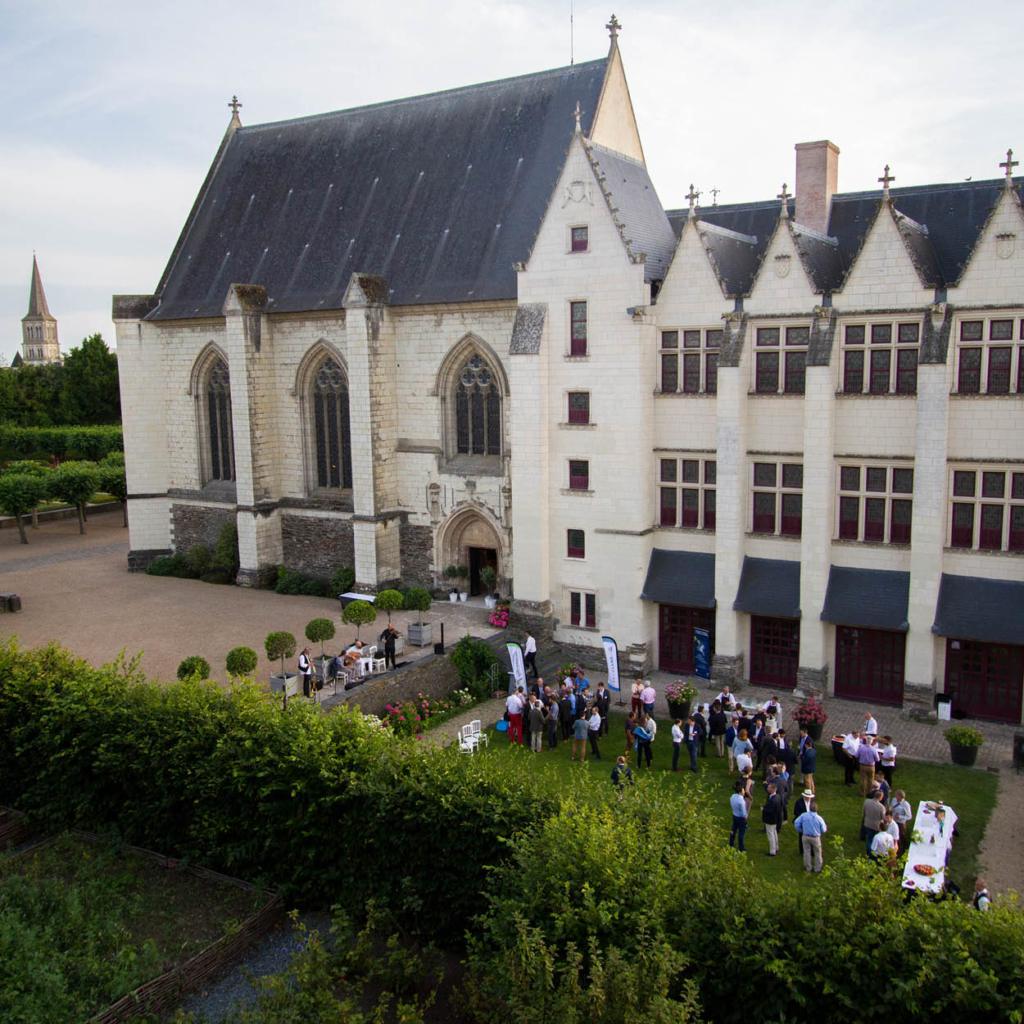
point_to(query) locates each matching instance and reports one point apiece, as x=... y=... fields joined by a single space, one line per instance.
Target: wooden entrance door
x=675 y=636
x=986 y=680
x=869 y=664
x=478 y=558
x=774 y=651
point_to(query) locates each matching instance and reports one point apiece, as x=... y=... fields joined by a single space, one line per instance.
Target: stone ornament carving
x=577 y=192
x=1006 y=245
x=782 y=264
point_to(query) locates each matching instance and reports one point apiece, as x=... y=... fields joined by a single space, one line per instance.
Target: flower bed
x=415 y=717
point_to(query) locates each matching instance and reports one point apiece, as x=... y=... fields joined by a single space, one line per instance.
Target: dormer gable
x=781 y=282
x=694 y=285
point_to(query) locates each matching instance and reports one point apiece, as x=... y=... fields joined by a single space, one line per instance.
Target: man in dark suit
x=771 y=815
x=789 y=755
x=767 y=750
x=565 y=715
x=604 y=700
x=746 y=722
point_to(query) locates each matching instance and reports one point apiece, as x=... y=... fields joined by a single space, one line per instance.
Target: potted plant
x=964 y=743
x=358 y=613
x=811 y=715
x=488 y=577
x=282 y=645
x=451 y=572
x=419 y=600
x=680 y=696
x=241 y=661
x=320 y=630
x=463 y=576
x=389 y=601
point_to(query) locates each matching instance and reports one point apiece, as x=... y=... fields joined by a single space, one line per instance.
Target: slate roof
x=680 y=577
x=439 y=194
x=940 y=225
x=643 y=223
x=769 y=586
x=872 y=598
x=37 y=307
x=975 y=608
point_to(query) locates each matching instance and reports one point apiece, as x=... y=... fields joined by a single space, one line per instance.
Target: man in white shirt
x=851 y=744
x=883 y=845
x=901 y=814
x=306 y=671
x=725 y=698
x=514 y=706
x=981 y=899
x=870 y=725
x=593 y=731
x=648 y=697
x=530 y=654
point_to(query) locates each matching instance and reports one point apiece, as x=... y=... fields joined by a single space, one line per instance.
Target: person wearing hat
x=802 y=806
x=306 y=671
x=811 y=825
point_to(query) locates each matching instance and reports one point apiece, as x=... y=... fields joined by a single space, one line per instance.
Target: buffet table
x=934 y=841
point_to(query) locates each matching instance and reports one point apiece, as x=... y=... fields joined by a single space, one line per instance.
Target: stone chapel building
x=39 y=342
x=462 y=328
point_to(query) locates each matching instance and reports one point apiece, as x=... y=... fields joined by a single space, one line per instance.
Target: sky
x=111 y=111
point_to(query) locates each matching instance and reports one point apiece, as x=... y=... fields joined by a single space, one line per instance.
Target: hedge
x=93 y=443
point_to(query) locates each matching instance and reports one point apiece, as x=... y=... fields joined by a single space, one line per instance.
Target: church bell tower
x=39 y=326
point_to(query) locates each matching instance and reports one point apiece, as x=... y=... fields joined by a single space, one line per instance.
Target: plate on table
x=924 y=869
x=933 y=806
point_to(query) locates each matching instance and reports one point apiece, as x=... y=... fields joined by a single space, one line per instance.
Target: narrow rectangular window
x=578 y=343
x=711 y=373
x=962 y=533
x=968 y=380
x=767 y=382
x=899 y=524
x=880 y=360
x=874 y=519
x=580 y=239
x=853 y=373
x=999 y=370
x=764 y=512
x=691 y=372
x=574 y=608
x=591 y=606
x=709 y=510
x=691 y=507
x=579 y=475
x=792 y=515
x=711 y=474
x=796 y=364
x=668 y=506
x=669 y=373
x=1016 y=528
x=991 y=533
x=906 y=371
x=579 y=407
x=849 y=518
x=1020 y=369
x=576 y=544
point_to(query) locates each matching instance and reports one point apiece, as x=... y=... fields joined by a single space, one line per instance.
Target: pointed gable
x=439 y=194
x=37 y=307
x=693 y=290
x=614 y=125
x=998 y=254
x=781 y=283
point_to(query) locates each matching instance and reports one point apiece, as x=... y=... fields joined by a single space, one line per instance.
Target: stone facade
x=198 y=524
x=316 y=545
x=417 y=544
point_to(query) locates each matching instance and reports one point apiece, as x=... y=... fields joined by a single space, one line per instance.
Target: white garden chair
x=467 y=741
x=476 y=731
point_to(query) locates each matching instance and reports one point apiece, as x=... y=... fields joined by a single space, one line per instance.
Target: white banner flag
x=515 y=655
x=611 y=655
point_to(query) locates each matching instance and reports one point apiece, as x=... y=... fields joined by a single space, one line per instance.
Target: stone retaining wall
x=316 y=545
x=434 y=676
x=194 y=524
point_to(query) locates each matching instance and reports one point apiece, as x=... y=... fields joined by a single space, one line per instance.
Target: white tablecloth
x=927 y=851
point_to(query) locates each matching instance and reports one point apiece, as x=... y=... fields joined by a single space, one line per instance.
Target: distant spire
x=577 y=113
x=785 y=197
x=36 y=296
x=693 y=195
x=236 y=121
x=613 y=27
x=1009 y=166
x=885 y=179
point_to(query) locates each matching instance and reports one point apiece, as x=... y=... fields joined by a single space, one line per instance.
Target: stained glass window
x=218 y=397
x=477 y=410
x=331 y=426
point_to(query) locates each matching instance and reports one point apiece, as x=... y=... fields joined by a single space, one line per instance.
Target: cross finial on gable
x=693 y=195
x=234 y=105
x=714 y=196
x=578 y=113
x=1009 y=165
x=785 y=197
x=613 y=27
x=885 y=179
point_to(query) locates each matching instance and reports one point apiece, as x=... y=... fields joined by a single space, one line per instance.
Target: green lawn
x=971 y=793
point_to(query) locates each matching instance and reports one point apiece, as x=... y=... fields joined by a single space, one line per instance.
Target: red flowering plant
x=499 y=617
x=810 y=711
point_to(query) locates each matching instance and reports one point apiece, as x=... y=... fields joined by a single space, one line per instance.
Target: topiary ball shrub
x=241 y=661
x=194 y=665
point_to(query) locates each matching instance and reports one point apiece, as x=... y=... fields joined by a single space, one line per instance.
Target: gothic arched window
x=477 y=410
x=218 y=423
x=331 y=427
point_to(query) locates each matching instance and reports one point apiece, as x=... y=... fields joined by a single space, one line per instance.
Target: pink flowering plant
x=681 y=692
x=810 y=711
x=568 y=670
x=415 y=717
x=499 y=617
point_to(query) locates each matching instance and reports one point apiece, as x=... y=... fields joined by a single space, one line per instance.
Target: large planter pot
x=963 y=755
x=489 y=602
x=288 y=684
x=837 y=751
x=421 y=636
x=464 y=596
x=679 y=709
x=453 y=597
x=814 y=730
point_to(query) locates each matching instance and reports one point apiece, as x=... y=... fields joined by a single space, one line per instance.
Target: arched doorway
x=470 y=538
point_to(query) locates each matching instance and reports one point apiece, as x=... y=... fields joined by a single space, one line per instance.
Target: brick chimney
x=817 y=175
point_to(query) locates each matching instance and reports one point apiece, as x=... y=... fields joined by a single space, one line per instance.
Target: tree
x=418 y=600
x=358 y=613
x=20 y=493
x=320 y=630
x=389 y=601
x=37 y=395
x=194 y=665
x=76 y=483
x=241 y=661
x=114 y=481
x=36 y=469
x=90 y=394
x=280 y=645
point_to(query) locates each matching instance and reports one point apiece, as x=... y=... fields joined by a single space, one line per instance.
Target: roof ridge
x=615 y=153
x=804 y=230
x=461 y=89
x=717 y=229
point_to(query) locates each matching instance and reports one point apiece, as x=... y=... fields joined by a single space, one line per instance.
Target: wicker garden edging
x=165 y=992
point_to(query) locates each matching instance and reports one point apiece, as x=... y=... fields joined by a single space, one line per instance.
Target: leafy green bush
x=63 y=442
x=389 y=601
x=168 y=565
x=19 y=494
x=342 y=580
x=288 y=581
x=359 y=613
x=279 y=645
x=198 y=559
x=320 y=631
x=472 y=660
x=225 y=554
x=241 y=661
x=194 y=665
x=76 y=483
x=964 y=736
x=313 y=588
x=418 y=599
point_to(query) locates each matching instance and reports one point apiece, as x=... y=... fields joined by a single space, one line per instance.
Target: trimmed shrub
x=198 y=559
x=320 y=631
x=194 y=665
x=389 y=601
x=359 y=613
x=76 y=483
x=279 y=645
x=19 y=494
x=241 y=661
x=313 y=588
x=225 y=554
x=168 y=565
x=60 y=442
x=342 y=580
x=288 y=581
x=473 y=660
x=418 y=599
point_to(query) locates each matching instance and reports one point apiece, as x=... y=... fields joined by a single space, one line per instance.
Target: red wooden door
x=675 y=636
x=774 y=651
x=986 y=680
x=869 y=664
